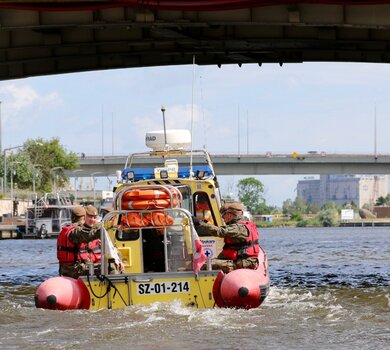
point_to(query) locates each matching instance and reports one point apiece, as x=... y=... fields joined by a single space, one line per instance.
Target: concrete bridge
x=256 y=164
x=40 y=37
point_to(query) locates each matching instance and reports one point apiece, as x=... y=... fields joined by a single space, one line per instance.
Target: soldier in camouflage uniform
x=85 y=229
x=236 y=236
x=87 y=233
x=78 y=219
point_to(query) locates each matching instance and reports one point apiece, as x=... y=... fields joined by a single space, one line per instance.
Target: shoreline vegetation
x=299 y=213
x=315 y=222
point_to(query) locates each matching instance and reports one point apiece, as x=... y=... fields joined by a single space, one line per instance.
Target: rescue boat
x=151 y=230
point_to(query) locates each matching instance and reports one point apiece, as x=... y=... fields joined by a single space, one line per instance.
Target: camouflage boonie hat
x=234 y=207
x=78 y=211
x=91 y=210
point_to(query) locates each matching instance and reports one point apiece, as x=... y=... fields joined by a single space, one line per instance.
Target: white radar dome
x=175 y=139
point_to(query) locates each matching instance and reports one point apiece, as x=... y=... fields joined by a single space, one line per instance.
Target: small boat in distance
x=151 y=227
x=48 y=214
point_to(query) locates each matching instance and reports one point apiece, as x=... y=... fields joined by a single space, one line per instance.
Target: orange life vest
x=203 y=212
x=160 y=218
x=156 y=218
x=90 y=252
x=133 y=220
x=66 y=251
x=248 y=249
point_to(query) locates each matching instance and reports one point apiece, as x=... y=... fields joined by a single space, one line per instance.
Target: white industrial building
x=341 y=189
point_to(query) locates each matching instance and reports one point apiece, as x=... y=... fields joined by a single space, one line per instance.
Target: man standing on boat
x=241 y=239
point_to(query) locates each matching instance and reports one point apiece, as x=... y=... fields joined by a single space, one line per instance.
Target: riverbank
x=314 y=223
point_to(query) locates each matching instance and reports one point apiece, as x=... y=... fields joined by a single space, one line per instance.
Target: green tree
x=380 y=201
x=328 y=217
x=293 y=208
x=312 y=209
x=330 y=205
x=383 y=200
x=250 y=193
x=296 y=216
x=349 y=205
x=18 y=166
x=263 y=209
x=300 y=205
x=40 y=157
x=287 y=207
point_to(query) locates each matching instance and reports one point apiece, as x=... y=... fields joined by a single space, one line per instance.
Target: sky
x=324 y=107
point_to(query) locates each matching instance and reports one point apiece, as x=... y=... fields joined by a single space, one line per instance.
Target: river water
x=330 y=290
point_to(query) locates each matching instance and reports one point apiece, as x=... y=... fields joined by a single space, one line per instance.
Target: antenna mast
x=192 y=111
x=165 y=130
x=375 y=149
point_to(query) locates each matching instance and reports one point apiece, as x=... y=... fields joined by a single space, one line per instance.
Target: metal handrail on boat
x=180 y=212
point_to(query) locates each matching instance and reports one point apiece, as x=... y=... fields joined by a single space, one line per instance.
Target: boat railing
x=39 y=206
x=64 y=200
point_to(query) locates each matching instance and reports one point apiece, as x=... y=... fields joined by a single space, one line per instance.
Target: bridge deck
x=257 y=164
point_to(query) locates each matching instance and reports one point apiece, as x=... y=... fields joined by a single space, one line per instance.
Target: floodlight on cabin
x=200 y=174
x=130 y=176
x=163 y=174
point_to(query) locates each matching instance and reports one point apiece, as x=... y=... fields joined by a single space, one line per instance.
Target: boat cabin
x=154 y=204
x=48 y=214
x=153 y=209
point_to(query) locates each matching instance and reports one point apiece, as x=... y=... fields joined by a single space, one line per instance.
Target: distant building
x=309 y=189
x=360 y=189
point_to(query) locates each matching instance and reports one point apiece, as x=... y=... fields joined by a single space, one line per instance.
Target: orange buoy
x=239 y=289
x=62 y=293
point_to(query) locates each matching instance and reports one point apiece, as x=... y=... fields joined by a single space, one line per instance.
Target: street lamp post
x=52 y=171
x=94 y=182
x=12 y=177
x=5 y=166
x=110 y=181
x=165 y=130
x=34 y=174
x=75 y=183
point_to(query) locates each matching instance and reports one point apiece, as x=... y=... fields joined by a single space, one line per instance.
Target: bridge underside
x=50 y=40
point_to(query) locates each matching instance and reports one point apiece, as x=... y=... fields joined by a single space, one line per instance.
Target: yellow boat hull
x=119 y=291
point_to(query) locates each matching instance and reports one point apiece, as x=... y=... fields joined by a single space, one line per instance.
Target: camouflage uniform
x=80 y=234
x=238 y=233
